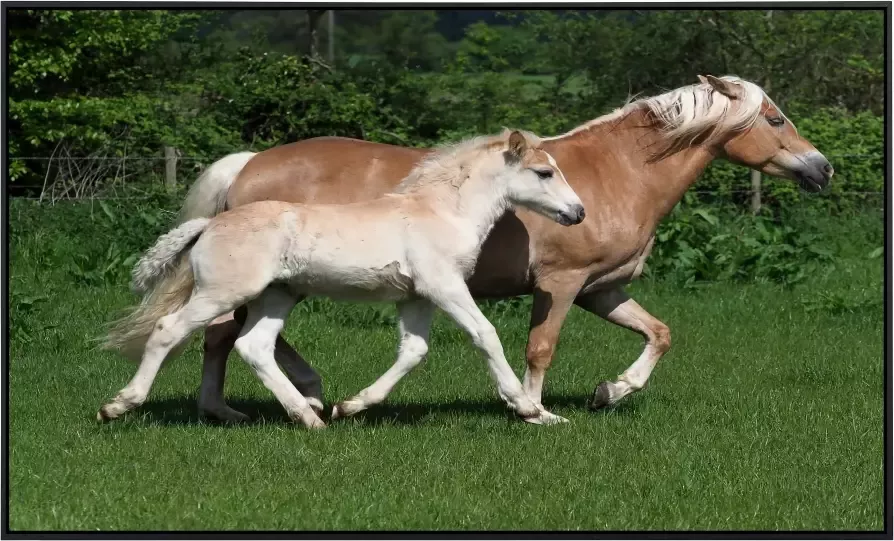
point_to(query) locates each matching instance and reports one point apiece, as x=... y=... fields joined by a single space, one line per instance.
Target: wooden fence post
x=170 y=167
x=755 y=191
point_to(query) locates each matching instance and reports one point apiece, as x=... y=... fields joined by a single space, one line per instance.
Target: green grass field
x=766 y=414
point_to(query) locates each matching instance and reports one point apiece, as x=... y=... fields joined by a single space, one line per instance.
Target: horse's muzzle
x=815 y=173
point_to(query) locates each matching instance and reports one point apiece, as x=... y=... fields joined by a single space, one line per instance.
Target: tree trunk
x=313 y=20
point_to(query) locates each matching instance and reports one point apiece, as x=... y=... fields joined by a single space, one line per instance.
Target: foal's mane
x=450 y=163
x=690 y=113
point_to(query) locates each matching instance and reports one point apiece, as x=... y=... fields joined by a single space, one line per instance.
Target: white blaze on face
x=560 y=184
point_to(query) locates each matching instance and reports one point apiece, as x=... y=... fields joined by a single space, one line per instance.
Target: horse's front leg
x=553 y=297
x=452 y=296
x=616 y=306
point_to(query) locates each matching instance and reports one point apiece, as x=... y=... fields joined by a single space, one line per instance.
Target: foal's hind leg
x=170 y=331
x=219 y=340
x=256 y=344
x=415 y=324
x=614 y=305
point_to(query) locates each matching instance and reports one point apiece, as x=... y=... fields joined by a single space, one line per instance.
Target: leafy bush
x=96 y=243
x=697 y=244
x=90 y=243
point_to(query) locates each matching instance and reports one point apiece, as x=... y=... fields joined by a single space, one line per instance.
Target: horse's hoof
x=225 y=414
x=601 y=396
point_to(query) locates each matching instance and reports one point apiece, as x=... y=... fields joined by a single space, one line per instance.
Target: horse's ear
x=518 y=144
x=728 y=89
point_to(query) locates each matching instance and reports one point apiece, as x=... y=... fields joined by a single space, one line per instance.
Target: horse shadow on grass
x=183 y=411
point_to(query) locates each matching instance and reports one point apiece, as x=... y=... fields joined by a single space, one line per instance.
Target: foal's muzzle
x=573 y=216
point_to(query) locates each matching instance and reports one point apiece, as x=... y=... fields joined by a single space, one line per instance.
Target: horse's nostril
x=828 y=169
x=581 y=214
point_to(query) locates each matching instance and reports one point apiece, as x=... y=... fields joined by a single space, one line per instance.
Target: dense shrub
x=267 y=100
x=96 y=242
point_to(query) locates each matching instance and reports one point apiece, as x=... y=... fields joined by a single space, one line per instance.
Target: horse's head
x=537 y=183
x=771 y=144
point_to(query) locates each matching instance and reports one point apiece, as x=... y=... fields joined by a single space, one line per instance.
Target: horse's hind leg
x=614 y=305
x=170 y=331
x=256 y=345
x=220 y=337
x=414 y=326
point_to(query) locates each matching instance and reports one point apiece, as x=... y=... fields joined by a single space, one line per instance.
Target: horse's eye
x=544 y=173
x=776 y=121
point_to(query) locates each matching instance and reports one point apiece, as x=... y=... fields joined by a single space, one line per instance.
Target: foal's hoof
x=310 y=420
x=602 y=396
x=336 y=413
x=546 y=418
x=109 y=412
x=315 y=424
x=316 y=405
x=346 y=408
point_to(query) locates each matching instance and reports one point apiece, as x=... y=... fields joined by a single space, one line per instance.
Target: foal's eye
x=544 y=173
x=776 y=121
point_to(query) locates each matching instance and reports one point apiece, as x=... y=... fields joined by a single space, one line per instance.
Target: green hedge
x=258 y=101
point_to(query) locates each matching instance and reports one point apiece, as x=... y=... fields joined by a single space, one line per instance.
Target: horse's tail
x=166 y=277
x=208 y=194
x=160 y=259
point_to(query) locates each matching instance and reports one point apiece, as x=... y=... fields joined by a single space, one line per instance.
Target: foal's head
x=535 y=182
x=770 y=142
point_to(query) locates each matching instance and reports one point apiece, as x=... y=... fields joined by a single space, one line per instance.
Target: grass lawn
x=764 y=415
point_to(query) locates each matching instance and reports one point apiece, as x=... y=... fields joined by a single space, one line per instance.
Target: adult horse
x=629 y=168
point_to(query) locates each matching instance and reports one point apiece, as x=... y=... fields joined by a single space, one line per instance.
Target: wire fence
x=80 y=178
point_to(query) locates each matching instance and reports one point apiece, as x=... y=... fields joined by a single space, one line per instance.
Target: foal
x=415 y=247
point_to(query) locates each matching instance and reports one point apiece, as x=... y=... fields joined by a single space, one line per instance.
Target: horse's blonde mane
x=690 y=112
x=448 y=163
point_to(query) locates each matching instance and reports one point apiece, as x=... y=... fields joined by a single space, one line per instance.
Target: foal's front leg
x=414 y=326
x=452 y=296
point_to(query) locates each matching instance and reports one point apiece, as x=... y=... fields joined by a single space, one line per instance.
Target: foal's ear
x=728 y=89
x=517 y=145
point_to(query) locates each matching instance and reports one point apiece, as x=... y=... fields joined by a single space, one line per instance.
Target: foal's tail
x=159 y=259
x=166 y=278
x=208 y=195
